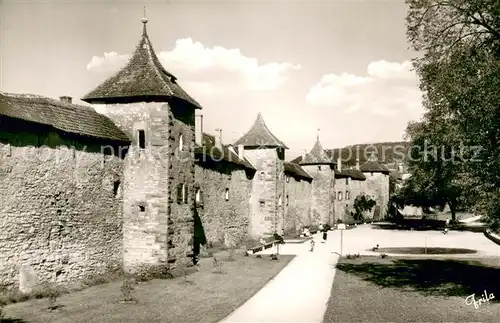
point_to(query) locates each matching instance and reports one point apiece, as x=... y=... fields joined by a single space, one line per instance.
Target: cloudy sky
x=340 y=66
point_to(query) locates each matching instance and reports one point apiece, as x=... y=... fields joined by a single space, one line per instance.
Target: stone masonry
x=322 y=203
x=60 y=206
x=297 y=201
x=223 y=220
x=265 y=194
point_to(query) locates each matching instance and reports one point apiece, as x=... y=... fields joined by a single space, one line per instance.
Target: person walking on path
x=311 y=246
x=446 y=225
x=325 y=232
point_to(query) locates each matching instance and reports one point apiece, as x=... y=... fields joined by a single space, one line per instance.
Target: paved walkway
x=300 y=292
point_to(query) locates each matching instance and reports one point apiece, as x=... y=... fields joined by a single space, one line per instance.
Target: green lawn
x=206 y=296
x=371 y=289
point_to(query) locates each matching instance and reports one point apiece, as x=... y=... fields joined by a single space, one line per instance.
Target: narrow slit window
x=279 y=201
x=116 y=186
x=319 y=167
x=198 y=196
x=339 y=195
x=181 y=143
x=226 y=194
x=184 y=193
x=346 y=195
x=179 y=193
x=287 y=200
x=142 y=139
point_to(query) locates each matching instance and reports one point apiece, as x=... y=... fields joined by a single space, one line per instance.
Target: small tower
x=322 y=169
x=377 y=184
x=146 y=102
x=267 y=153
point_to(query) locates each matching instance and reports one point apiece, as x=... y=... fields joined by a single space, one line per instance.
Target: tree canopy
x=458 y=63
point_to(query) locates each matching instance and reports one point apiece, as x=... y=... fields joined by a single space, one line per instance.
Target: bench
x=262 y=247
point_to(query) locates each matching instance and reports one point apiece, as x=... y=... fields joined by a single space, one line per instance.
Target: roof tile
x=71 y=118
x=208 y=149
x=295 y=170
x=143 y=78
x=316 y=156
x=259 y=135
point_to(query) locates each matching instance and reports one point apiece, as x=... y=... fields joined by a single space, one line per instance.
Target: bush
x=362 y=203
x=148 y=272
x=126 y=290
x=217 y=263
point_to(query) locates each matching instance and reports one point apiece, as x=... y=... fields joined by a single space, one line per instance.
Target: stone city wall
x=60 y=208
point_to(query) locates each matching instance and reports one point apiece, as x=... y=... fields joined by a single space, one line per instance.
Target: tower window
x=287 y=200
x=262 y=204
x=116 y=186
x=347 y=181
x=181 y=143
x=226 y=194
x=339 y=196
x=142 y=139
x=346 y=195
x=198 y=197
x=319 y=167
x=262 y=175
x=287 y=178
x=182 y=194
x=279 y=201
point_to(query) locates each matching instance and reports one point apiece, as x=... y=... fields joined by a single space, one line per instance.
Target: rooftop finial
x=317 y=134
x=144 y=20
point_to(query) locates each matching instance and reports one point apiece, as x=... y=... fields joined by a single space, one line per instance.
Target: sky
x=342 y=67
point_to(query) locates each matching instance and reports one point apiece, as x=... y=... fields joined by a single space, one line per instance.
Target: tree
x=459 y=70
x=362 y=203
x=437 y=177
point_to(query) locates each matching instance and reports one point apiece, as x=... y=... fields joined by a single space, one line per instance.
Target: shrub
x=362 y=203
x=217 y=265
x=148 y=272
x=51 y=292
x=126 y=290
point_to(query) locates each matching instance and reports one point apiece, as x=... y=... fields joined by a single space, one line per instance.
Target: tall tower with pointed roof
x=267 y=153
x=148 y=104
x=377 y=184
x=317 y=163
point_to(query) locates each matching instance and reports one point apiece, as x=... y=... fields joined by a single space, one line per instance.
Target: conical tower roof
x=142 y=79
x=373 y=166
x=316 y=156
x=259 y=135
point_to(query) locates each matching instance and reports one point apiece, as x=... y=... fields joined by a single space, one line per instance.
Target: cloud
x=388 y=88
x=109 y=63
x=215 y=70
